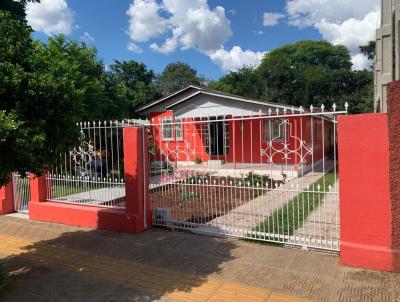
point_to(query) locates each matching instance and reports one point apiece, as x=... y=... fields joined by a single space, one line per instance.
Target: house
x=202 y=128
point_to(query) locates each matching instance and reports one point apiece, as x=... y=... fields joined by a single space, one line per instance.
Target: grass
x=3 y=279
x=60 y=191
x=291 y=216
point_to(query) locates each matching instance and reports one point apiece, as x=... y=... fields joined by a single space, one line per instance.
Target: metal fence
x=269 y=177
x=92 y=173
x=21 y=192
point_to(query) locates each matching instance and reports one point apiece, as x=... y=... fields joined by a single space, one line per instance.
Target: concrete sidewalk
x=52 y=262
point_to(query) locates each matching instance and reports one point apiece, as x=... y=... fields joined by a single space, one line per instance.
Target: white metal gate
x=21 y=191
x=269 y=177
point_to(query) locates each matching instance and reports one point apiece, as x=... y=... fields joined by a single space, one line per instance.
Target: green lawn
x=291 y=216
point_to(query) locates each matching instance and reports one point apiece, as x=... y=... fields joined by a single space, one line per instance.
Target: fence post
x=38 y=188
x=365 y=208
x=136 y=170
x=7 y=198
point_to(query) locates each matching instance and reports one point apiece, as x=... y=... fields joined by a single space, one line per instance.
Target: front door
x=217 y=138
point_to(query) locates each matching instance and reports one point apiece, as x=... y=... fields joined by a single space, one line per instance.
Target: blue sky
x=212 y=49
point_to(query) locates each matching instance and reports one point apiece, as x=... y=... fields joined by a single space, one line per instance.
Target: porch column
x=136 y=167
x=7 y=198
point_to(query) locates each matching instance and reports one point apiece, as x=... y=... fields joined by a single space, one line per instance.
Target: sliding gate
x=269 y=177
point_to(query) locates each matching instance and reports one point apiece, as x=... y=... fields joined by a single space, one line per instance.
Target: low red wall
x=365 y=207
x=135 y=218
x=83 y=216
x=6 y=199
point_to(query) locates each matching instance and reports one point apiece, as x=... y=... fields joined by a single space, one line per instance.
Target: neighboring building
x=387 y=58
x=198 y=124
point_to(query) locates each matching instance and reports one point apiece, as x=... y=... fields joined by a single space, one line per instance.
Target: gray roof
x=204 y=90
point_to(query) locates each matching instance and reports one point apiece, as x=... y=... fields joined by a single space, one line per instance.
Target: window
x=167 y=129
x=273 y=129
x=179 y=129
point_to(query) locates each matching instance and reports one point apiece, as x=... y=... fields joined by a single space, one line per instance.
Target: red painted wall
x=6 y=199
x=365 y=209
x=245 y=142
x=130 y=219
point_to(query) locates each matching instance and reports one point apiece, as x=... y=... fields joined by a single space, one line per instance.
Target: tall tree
x=45 y=89
x=177 y=76
x=15 y=8
x=129 y=84
x=244 y=82
x=305 y=73
x=369 y=49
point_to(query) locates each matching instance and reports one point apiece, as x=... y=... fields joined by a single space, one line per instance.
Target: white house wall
x=207 y=105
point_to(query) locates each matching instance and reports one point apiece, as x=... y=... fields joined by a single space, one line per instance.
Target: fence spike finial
x=334 y=107
x=322 y=107
x=269 y=111
x=311 y=108
x=346 y=106
x=277 y=111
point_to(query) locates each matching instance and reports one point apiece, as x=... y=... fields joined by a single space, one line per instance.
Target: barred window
x=273 y=129
x=167 y=129
x=179 y=129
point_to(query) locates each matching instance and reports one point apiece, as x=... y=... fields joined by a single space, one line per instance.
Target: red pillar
x=38 y=188
x=7 y=199
x=137 y=177
x=365 y=207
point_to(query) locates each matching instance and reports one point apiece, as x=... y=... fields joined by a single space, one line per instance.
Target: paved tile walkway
x=52 y=262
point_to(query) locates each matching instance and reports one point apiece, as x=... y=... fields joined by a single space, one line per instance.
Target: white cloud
x=233 y=12
x=360 y=62
x=236 y=58
x=144 y=21
x=352 y=32
x=347 y=22
x=132 y=47
x=309 y=12
x=87 y=38
x=50 y=17
x=272 y=19
x=185 y=24
x=190 y=24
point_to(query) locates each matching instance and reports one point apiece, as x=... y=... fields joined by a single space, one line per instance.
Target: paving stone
x=122 y=267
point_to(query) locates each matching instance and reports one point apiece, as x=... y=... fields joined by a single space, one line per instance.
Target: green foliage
x=177 y=76
x=16 y=8
x=45 y=89
x=369 y=49
x=305 y=73
x=3 y=279
x=291 y=216
x=244 y=82
x=254 y=180
x=130 y=85
x=197 y=160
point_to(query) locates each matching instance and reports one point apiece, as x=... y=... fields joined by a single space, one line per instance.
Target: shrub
x=197 y=161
